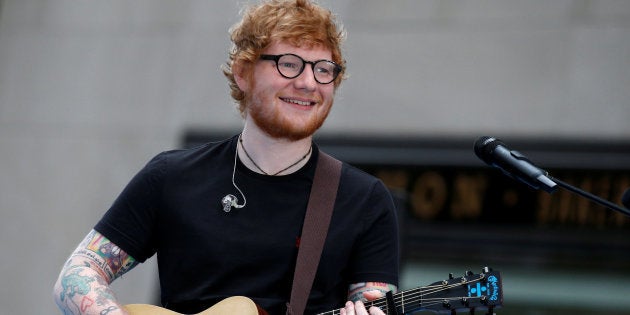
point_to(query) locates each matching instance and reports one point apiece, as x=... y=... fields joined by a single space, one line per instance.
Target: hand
x=358 y=308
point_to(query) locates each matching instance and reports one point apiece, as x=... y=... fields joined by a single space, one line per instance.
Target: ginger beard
x=271 y=117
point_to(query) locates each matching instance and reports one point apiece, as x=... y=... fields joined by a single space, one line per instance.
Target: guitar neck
x=470 y=292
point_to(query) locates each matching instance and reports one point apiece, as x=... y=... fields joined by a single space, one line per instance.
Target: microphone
x=514 y=164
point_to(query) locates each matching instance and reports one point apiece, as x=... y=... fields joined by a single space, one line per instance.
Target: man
x=225 y=218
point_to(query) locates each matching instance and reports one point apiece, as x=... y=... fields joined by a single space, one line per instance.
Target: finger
x=376 y=311
x=348 y=309
x=359 y=308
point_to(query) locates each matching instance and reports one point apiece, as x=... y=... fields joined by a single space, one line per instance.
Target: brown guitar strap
x=318 y=213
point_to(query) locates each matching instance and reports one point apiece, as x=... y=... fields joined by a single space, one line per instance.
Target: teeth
x=303 y=103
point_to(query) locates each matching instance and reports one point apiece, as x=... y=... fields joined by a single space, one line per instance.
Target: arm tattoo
x=73 y=284
x=106 y=255
x=355 y=292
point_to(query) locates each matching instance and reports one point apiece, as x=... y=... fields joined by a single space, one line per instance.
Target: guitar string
x=380 y=303
x=414 y=295
x=424 y=291
x=426 y=303
x=411 y=297
x=421 y=298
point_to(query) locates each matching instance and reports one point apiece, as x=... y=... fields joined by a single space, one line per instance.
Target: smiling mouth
x=298 y=102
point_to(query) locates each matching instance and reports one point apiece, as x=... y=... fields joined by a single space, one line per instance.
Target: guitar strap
x=318 y=213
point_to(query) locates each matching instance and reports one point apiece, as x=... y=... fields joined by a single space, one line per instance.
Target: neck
x=272 y=156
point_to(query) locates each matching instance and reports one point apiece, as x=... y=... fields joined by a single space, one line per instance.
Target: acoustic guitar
x=469 y=293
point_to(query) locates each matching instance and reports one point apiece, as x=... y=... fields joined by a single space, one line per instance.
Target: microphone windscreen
x=484 y=146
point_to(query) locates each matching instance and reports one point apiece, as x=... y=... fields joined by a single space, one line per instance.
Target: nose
x=306 y=79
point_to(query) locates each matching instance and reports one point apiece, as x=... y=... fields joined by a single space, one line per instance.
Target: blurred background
x=91 y=90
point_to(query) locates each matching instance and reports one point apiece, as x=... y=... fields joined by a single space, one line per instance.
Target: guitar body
x=231 y=305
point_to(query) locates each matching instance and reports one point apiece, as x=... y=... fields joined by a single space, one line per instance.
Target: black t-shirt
x=172 y=207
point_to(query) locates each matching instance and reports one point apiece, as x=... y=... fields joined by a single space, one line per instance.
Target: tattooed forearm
x=81 y=290
x=75 y=286
x=83 y=284
x=355 y=292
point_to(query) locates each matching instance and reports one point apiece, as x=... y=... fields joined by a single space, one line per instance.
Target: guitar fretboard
x=480 y=291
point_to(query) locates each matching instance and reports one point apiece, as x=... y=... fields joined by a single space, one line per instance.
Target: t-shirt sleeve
x=130 y=221
x=376 y=256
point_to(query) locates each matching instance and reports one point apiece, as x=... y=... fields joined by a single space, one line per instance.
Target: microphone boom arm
x=591 y=197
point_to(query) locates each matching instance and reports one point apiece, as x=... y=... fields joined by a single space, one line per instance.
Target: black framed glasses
x=290 y=66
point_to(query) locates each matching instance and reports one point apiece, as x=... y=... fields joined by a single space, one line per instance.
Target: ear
x=240 y=76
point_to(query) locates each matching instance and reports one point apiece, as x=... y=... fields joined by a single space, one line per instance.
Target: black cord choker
x=240 y=139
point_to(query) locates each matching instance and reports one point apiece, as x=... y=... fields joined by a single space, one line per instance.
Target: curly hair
x=298 y=22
